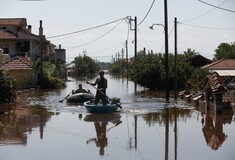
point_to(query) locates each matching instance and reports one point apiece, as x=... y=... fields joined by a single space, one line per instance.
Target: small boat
x=80 y=97
x=100 y=108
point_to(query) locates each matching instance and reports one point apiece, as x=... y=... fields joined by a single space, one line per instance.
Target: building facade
x=17 y=39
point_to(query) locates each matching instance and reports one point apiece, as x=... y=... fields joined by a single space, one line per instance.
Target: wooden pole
x=166 y=51
x=175 y=73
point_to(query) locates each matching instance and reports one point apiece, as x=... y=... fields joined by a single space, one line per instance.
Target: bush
x=7 y=88
x=52 y=83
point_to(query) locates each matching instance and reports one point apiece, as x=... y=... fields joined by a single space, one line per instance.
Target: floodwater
x=40 y=127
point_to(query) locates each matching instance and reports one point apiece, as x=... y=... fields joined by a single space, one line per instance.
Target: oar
x=107 y=96
x=65 y=97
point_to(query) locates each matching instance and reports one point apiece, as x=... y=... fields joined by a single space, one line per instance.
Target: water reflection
x=147 y=128
x=100 y=123
x=18 y=120
x=168 y=117
x=212 y=127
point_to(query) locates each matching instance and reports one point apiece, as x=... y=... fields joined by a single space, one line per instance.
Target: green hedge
x=7 y=88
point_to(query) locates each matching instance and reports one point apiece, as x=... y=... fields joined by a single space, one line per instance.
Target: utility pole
x=166 y=51
x=122 y=62
x=41 y=51
x=135 y=38
x=135 y=30
x=175 y=64
x=127 y=57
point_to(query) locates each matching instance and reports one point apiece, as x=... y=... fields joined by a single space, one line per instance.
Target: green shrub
x=7 y=88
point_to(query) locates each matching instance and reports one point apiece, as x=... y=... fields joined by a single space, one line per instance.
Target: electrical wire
x=207 y=27
x=216 y=6
x=204 y=14
x=96 y=38
x=75 y=32
x=168 y=37
x=107 y=48
x=146 y=14
x=143 y=38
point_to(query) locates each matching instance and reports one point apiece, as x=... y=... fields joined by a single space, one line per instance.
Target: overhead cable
x=207 y=27
x=66 y=34
x=168 y=37
x=106 y=48
x=144 y=39
x=204 y=13
x=216 y=6
x=96 y=38
x=147 y=13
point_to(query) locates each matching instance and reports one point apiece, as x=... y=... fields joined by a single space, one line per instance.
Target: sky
x=99 y=28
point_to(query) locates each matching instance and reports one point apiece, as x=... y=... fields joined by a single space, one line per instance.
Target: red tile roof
x=13 y=21
x=221 y=64
x=216 y=82
x=6 y=35
x=17 y=63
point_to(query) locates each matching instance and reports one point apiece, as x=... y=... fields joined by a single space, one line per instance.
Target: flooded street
x=40 y=127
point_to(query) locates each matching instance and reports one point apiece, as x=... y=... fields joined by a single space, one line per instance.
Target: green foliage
x=7 y=88
x=225 y=50
x=198 y=74
x=51 y=76
x=189 y=53
x=84 y=65
x=115 y=68
x=149 y=70
x=51 y=82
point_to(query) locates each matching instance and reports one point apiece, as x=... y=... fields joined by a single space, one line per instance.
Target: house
x=60 y=54
x=224 y=67
x=198 y=60
x=17 y=39
x=21 y=69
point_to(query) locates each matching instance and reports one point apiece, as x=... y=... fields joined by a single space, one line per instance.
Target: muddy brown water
x=39 y=127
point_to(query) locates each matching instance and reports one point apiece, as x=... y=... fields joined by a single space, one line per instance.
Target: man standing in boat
x=102 y=84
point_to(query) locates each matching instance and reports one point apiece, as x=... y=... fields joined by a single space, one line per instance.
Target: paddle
x=66 y=96
x=106 y=96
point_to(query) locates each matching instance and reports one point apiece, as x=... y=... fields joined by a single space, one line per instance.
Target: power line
x=144 y=38
x=147 y=13
x=97 y=37
x=107 y=48
x=168 y=37
x=207 y=27
x=204 y=13
x=66 y=34
x=216 y=6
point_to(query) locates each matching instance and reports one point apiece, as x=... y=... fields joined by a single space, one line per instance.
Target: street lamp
x=151 y=27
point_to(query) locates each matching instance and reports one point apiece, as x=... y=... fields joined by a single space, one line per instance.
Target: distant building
x=16 y=39
x=59 y=55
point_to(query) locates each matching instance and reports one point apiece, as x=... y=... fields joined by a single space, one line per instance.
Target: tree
x=7 y=88
x=194 y=83
x=225 y=50
x=84 y=65
x=51 y=76
x=189 y=53
x=149 y=70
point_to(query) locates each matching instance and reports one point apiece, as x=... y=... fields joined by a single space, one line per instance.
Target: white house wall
x=225 y=72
